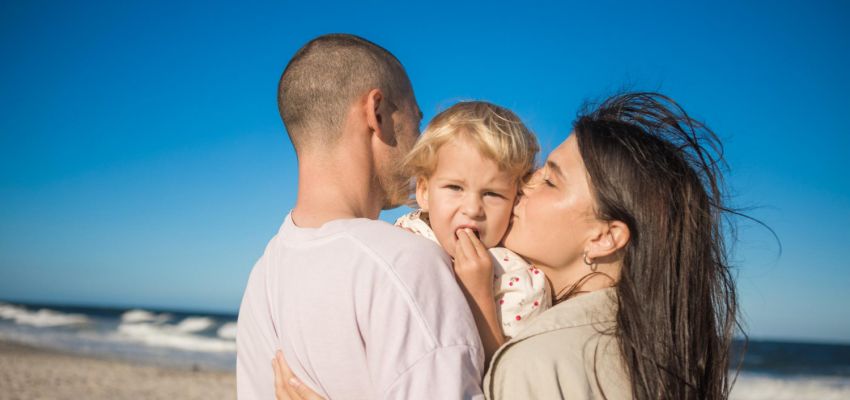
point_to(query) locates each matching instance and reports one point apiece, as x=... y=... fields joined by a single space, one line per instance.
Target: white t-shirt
x=361 y=309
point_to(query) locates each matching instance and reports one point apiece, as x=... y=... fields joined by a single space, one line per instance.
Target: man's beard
x=397 y=187
x=397 y=190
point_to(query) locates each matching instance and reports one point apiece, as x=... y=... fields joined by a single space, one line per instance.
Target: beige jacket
x=553 y=358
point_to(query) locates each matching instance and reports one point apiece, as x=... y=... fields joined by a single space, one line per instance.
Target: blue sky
x=143 y=162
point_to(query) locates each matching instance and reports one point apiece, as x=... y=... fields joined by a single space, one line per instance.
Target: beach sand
x=31 y=373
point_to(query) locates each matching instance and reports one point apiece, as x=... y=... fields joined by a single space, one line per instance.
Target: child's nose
x=472 y=206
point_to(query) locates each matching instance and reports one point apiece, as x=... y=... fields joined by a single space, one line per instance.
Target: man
x=360 y=308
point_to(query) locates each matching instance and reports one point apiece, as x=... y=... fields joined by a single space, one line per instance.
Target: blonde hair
x=498 y=133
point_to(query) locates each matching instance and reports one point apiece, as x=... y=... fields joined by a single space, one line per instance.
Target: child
x=469 y=165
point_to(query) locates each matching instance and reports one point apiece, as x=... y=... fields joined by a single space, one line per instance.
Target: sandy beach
x=32 y=373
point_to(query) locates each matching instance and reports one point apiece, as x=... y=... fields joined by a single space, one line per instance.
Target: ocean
x=770 y=369
x=175 y=338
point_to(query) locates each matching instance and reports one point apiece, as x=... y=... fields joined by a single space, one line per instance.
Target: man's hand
x=286 y=385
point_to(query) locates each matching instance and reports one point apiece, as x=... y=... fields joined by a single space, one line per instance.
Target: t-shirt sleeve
x=419 y=334
x=445 y=373
x=254 y=342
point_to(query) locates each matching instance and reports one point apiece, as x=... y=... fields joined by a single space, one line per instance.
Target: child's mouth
x=473 y=229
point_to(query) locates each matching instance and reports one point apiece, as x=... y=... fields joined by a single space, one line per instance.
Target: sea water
x=177 y=338
x=772 y=370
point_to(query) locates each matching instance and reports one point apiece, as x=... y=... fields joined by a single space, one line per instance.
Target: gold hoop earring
x=589 y=263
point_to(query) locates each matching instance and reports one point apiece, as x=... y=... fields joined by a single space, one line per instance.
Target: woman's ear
x=422 y=193
x=613 y=236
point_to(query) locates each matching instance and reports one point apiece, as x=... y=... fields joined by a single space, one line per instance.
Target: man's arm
x=254 y=343
x=424 y=380
x=445 y=373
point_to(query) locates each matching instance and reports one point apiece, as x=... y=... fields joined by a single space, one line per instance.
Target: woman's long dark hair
x=659 y=171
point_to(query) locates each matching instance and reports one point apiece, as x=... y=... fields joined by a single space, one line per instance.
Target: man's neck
x=327 y=193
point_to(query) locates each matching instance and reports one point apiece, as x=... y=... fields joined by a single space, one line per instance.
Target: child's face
x=467 y=190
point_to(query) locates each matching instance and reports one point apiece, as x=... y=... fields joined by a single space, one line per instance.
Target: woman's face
x=553 y=219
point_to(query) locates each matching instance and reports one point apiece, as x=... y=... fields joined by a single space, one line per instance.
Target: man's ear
x=422 y=193
x=612 y=236
x=375 y=110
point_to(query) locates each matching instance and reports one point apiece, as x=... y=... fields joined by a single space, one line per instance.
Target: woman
x=625 y=220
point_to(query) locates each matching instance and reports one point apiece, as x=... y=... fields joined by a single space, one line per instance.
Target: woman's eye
x=548 y=182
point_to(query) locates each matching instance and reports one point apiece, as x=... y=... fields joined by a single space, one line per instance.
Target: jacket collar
x=597 y=307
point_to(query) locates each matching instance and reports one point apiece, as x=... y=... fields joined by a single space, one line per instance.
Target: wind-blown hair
x=659 y=171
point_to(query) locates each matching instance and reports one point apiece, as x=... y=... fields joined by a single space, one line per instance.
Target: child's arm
x=474 y=269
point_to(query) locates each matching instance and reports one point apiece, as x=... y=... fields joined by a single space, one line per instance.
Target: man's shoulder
x=365 y=244
x=394 y=244
x=417 y=273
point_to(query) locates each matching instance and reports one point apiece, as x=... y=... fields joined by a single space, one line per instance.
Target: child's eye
x=455 y=188
x=493 y=194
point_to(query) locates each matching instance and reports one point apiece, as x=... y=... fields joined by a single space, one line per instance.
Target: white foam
x=227 y=331
x=758 y=387
x=41 y=318
x=170 y=336
x=8 y=311
x=194 y=324
x=138 y=315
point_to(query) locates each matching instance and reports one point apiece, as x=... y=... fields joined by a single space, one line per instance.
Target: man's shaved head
x=325 y=77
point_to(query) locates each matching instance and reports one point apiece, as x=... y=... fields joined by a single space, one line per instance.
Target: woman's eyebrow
x=555 y=167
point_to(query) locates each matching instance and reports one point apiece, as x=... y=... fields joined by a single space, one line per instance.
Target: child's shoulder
x=417 y=222
x=507 y=259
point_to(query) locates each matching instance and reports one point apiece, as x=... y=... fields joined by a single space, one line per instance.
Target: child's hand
x=473 y=265
x=474 y=270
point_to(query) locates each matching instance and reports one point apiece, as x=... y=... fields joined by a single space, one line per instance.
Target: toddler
x=469 y=165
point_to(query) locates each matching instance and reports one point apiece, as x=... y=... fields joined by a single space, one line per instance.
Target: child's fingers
x=477 y=246
x=465 y=243
x=461 y=246
x=460 y=256
x=472 y=245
